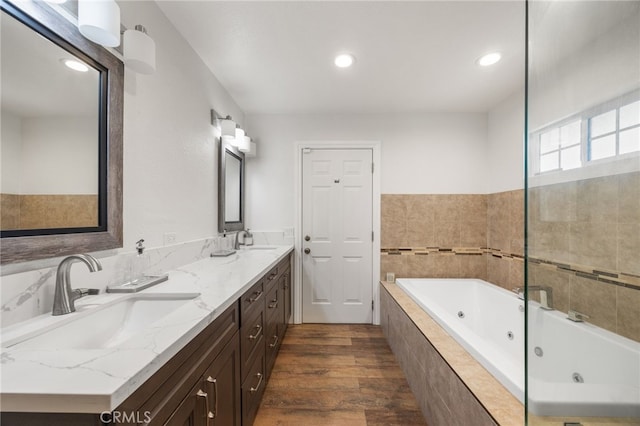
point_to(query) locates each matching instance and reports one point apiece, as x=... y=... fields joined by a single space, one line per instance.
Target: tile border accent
x=621 y=279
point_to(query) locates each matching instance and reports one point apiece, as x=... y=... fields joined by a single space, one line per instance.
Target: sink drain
x=460 y=314
x=510 y=335
x=577 y=378
x=538 y=351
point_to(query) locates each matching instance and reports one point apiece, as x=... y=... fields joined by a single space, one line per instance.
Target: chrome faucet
x=64 y=297
x=546 y=295
x=245 y=233
x=576 y=316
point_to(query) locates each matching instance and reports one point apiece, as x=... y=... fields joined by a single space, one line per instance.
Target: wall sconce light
x=139 y=50
x=99 y=21
x=239 y=139
x=248 y=147
x=226 y=124
x=244 y=144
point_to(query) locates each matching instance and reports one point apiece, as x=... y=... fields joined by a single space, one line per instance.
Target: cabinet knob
x=307 y=238
x=307 y=250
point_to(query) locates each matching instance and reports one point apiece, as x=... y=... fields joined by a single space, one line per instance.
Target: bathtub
x=575 y=369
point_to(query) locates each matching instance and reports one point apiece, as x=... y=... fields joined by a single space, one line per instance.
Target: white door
x=337 y=233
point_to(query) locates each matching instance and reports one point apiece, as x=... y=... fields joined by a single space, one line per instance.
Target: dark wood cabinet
x=218 y=378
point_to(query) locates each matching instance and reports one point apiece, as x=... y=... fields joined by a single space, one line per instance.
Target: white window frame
x=585 y=139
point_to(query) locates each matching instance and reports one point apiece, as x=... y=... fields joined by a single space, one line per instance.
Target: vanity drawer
x=252 y=301
x=273 y=300
x=252 y=390
x=252 y=340
x=272 y=343
x=270 y=277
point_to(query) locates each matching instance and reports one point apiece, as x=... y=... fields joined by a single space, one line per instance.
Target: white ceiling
x=416 y=56
x=35 y=83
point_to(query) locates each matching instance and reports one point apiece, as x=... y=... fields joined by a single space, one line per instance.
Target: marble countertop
x=97 y=380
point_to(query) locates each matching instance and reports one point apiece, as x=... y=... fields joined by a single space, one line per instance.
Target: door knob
x=307 y=238
x=307 y=250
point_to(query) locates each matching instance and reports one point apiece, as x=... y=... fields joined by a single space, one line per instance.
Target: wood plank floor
x=337 y=375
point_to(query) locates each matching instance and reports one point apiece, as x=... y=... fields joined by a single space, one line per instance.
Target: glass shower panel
x=583 y=212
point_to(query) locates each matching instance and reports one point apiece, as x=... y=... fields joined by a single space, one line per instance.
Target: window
x=615 y=132
x=607 y=131
x=560 y=148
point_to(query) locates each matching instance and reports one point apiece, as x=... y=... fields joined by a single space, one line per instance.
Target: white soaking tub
x=577 y=370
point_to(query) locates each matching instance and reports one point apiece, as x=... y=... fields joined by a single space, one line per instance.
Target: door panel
x=337 y=217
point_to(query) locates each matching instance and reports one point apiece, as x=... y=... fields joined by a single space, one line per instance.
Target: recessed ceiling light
x=344 y=60
x=489 y=59
x=75 y=65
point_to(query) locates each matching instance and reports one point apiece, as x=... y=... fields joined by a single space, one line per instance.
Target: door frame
x=376 y=148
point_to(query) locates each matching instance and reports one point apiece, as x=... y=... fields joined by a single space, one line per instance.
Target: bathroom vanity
x=206 y=362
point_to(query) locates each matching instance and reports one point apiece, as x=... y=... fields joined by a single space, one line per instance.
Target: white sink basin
x=106 y=326
x=251 y=248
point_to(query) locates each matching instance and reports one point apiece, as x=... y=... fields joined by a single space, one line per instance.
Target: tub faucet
x=64 y=296
x=546 y=299
x=519 y=291
x=576 y=316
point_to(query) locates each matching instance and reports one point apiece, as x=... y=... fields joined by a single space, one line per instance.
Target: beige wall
x=584 y=240
x=48 y=211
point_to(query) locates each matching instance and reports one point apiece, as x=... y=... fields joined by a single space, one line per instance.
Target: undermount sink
x=109 y=325
x=259 y=247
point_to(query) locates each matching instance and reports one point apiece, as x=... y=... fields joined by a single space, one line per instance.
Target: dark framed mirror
x=230 y=188
x=63 y=193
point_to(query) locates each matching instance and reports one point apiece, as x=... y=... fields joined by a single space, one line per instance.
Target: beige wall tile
x=556 y=203
x=516 y=274
x=473 y=234
x=472 y=266
x=393 y=216
x=9 y=211
x=629 y=248
x=393 y=263
x=629 y=202
x=594 y=244
x=628 y=320
x=448 y=208
x=597 y=200
x=516 y=222
x=550 y=241
x=498 y=272
x=558 y=280
x=596 y=300
x=447 y=234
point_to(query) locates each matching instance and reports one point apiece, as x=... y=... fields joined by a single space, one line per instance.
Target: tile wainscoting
x=571 y=224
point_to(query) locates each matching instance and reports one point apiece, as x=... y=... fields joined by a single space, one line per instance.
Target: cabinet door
x=222 y=383
x=192 y=409
x=286 y=296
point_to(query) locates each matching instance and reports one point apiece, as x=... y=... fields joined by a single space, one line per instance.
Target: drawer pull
x=202 y=394
x=275 y=342
x=214 y=383
x=254 y=390
x=258 y=328
x=273 y=304
x=272 y=276
x=256 y=297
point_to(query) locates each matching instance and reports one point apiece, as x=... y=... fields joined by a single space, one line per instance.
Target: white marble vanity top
x=97 y=380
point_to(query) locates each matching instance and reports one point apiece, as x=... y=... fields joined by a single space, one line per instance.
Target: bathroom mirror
x=230 y=188
x=61 y=138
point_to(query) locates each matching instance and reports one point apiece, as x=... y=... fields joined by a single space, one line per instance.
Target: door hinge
x=372 y=305
x=372 y=167
x=371 y=236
